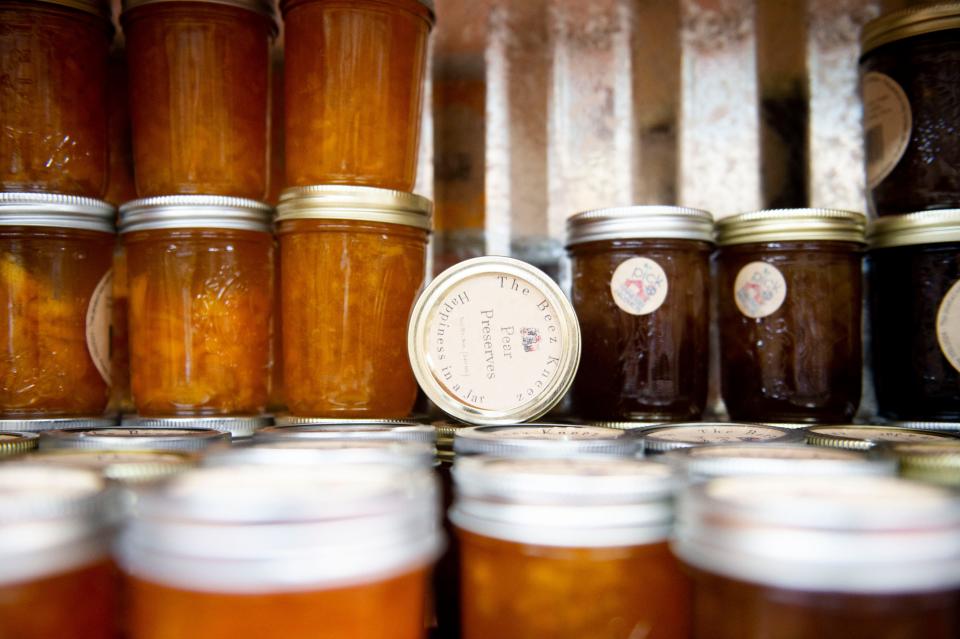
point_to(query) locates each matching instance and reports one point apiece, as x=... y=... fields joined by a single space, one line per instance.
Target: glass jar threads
x=200 y=278
x=353 y=80
x=641 y=278
x=789 y=289
x=915 y=316
x=55 y=258
x=567 y=548
x=199 y=95
x=53 y=101
x=352 y=262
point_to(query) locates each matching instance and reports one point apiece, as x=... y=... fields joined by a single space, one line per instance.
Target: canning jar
x=282 y=552
x=641 y=278
x=57 y=578
x=199 y=95
x=816 y=558
x=353 y=80
x=909 y=66
x=352 y=262
x=914 y=274
x=567 y=548
x=55 y=258
x=200 y=280
x=789 y=291
x=53 y=98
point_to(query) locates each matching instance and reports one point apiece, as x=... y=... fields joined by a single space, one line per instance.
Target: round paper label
x=948 y=325
x=759 y=289
x=639 y=286
x=881 y=434
x=887 y=125
x=715 y=434
x=98 y=325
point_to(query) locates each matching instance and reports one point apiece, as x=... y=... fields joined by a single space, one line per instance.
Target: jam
x=120 y=186
x=353 y=79
x=121 y=400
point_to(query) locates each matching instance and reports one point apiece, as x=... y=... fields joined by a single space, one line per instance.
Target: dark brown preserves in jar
x=789 y=289
x=914 y=269
x=910 y=68
x=641 y=280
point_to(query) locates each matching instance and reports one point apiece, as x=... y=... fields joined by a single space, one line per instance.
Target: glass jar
x=57 y=578
x=661 y=439
x=817 y=558
x=55 y=258
x=855 y=437
x=353 y=80
x=199 y=95
x=909 y=69
x=641 y=278
x=915 y=320
x=566 y=549
x=282 y=551
x=132 y=438
x=789 y=289
x=545 y=441
x=352 y=261
x=53 y=100
x=200 y=273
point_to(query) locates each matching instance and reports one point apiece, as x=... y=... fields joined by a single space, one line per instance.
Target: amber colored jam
x=729 y=609
x=199 y=316
x=120 y=399
x=199 y=98
x=907 y=286
x=80 y=604
x=53 y=99
x=389 y=609
x=519 y=591
x=802 y=362
x=354 y=86
x=347 y=291
x=120 y=187
x=651 y=366
x=47 y=279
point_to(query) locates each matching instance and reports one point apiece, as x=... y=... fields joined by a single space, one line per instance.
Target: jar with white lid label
x=914 y=273
x=124 y=438
x=909 y=70
x=545 y=441
x=817 y=558
x=55 y=258
x=493 y=340
x=640 y=286
x=567 y=548
x=255 y=550
x=856 y=437
x=660 y=439
x=789 y=297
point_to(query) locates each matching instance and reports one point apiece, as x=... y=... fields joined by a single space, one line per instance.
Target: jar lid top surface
x=55 y=423
x=909 y=22
x=544 y=440
x=14 y=443
x=194 y=211
x=776 y=459
x=357 y=203
x=369 y=431
x=640 y=222
x=118 y=465
x=408 y=453
x=855 y=437
x=238 y=427
x=938 y=226
x=493 y=340
x=673 y=436
x=263 y=7
x=132 y=438
x=792 y=225
x=57 y=211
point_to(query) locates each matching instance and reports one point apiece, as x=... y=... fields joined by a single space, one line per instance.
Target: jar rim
x=194 y=211
x=640 y=222
x=667 y=437
x=358 y=203
x=56 y=210
x=544 y=440
x=792 y=225
x=262 y=7
x=936 y=226
x=239 y=427
x=909 y=22
x=132 y=438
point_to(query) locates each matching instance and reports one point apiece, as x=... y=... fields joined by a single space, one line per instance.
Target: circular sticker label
x=887 y=125
x=550 y=432
x=759 y=289
x=639 y=286
x=881 y=434
x=715 y=434
x=98 y=325
x=948 y=325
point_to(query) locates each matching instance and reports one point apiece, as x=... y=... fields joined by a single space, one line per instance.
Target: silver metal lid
x=675 y=436
x=56 y=211
x=58 y=423
x=359 y=203
x=264 y=7
x=194 y=212
x=582 y=502
x=855 y=437
x=938 y=427
x=792 y=225
x=132 y=438
x=544 y=440
x=860 y=535
x=369 y=431
x=704 y=462
x=305 y=452
x=238 y=427
x=640 y=222
x=926 y=227
x=266 y=528
x=14 y=443
x=909 y=22
x=294 y=420
x=126 y=466
x=493 y=340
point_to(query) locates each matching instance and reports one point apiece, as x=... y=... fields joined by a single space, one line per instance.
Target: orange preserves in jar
x=53 y=96
x=353 y=79
x=55 y=257
x=200 y=279
x=199 y=96
x=352 y=262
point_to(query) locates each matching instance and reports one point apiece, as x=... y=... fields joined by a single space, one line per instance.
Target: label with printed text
x=887 y=125
x=759 y=289
x=98 y=325
x=948 y=325
x=639 y=286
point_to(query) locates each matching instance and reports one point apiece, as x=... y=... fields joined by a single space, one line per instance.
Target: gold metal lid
x=909 y=22
x=128 y=466
x=640 y=222
x=13 y=443
x=856 y=437
x=493 y=340
x=792 y=225
x=925 y=227
x=358 y=203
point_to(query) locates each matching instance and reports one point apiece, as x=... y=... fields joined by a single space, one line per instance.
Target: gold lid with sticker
x=792 y=225
x=909 y=22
